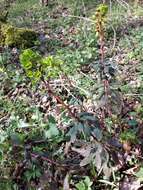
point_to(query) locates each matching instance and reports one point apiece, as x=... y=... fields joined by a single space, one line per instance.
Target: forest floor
x=58 y=138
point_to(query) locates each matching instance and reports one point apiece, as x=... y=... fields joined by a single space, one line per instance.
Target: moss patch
x=17 y=37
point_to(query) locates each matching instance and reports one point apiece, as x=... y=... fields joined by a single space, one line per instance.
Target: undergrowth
x=71 y=106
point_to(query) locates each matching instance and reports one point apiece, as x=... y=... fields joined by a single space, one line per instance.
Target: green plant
x=32 y=173
x=129 y=136
x=84 y=184
x=85 y=124
x=45 y=69
x=30 y=61
x=38 y=68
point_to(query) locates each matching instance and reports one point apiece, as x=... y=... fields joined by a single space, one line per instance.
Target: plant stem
x=100 y=30
x=58 y=98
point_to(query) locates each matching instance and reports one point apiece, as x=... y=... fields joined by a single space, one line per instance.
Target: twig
x=86 y=76
x=133 y=94
x=60 y=165
x=83 y=18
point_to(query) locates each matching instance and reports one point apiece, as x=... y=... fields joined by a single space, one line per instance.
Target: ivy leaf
x=51 y=119
x=52 y=131
x=132 y=123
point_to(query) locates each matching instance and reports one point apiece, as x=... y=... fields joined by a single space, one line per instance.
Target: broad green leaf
x=72 y=133
x=51 y=119
x=139 y=174
x=132 y=123
x=22 y=124
x=52 y=131
x=97 y=133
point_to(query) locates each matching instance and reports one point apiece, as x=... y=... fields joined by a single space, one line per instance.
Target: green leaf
x=88 y=182
x=22 y=124
x=84 y=184
x=1 y=155
x=72 y=133
x=92 y=119
x=16 y=138
x=139 y=174
x=132 y=123
x=80 y=186
x=52 y=131
x=51 y=119
x=97 y=133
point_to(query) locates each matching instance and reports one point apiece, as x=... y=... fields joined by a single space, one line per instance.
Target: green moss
x=17 y=37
